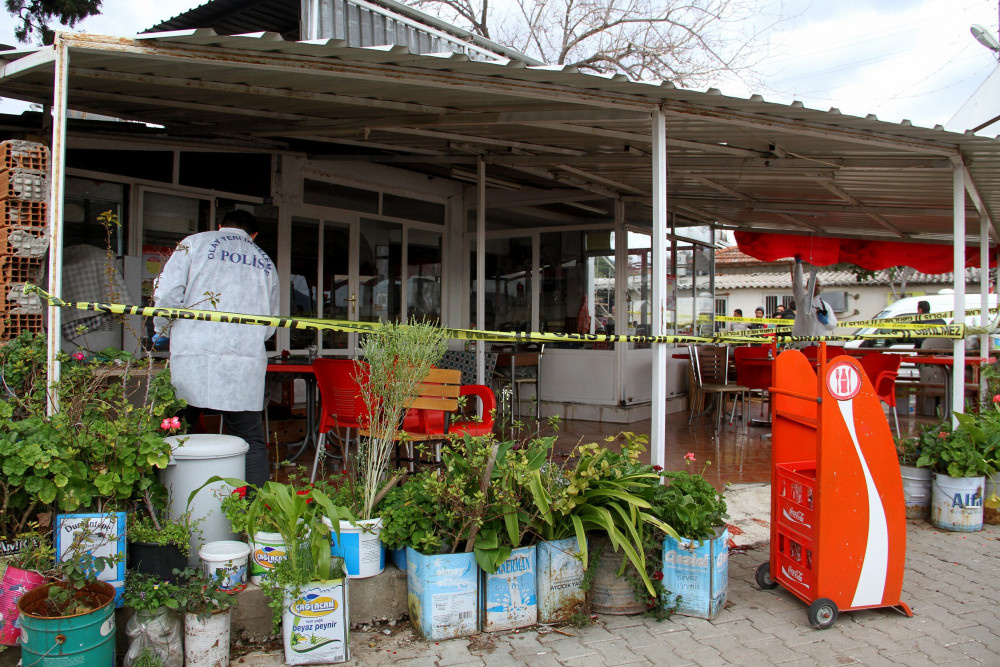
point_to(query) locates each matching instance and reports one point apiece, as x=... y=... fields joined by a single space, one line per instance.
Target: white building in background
x=747 y=283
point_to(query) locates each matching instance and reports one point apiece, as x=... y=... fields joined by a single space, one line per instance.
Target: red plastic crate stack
x=24 y=190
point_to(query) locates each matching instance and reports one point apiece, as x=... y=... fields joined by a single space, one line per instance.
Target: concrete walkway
x=952 y=584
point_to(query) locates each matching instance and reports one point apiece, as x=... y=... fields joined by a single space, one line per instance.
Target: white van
x=943 y=301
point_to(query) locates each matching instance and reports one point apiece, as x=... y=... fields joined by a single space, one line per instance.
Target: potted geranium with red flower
x=695 y=575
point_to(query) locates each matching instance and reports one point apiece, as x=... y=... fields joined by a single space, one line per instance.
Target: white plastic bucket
x=916 y=491
x=206 y=643
x=957 y=503
x=360 y=545
x=268 y=550
x=230 y=557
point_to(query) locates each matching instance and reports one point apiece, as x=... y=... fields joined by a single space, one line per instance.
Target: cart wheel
x=822 y=613
x=763 y=577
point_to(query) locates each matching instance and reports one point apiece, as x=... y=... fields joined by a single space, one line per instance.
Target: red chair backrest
x=882 y=369
x=754 y=376
x=341 y=402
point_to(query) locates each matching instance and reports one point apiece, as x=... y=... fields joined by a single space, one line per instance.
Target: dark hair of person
x=738 y=312
x=923 y=307
x=241 y=219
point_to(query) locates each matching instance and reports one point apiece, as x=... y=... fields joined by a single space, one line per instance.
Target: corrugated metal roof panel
x=745 y=163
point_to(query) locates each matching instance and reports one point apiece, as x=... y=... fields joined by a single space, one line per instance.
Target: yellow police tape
x=953 y=331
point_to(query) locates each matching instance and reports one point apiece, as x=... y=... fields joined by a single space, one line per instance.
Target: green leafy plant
x=907 y=450
x=144 y=592
x=166 y=531
x=197 y=594
x=72 y=593
x=99 y=450
x=398 y=358
x=690 y=504
x=235 y=506
x=36 y=551
x=967 y=451
x=602 y=492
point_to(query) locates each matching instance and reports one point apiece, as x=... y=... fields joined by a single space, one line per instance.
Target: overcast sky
x=912 y=59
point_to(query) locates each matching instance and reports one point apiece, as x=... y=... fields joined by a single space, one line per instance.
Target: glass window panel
x=302 y=285
x=639 y=290
x=379 y=271
x=703 y=280
x=86 y=200
x=508 y=284
x=412 y=209
x=423 y=275
x=684 y=270
x=167 y=219
x=340 y=196
x=336 y=287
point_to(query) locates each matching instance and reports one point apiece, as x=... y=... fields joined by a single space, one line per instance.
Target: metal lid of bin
x=205 y=446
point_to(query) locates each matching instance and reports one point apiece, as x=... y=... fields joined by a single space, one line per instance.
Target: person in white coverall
x=813 y=315
x=221 y=365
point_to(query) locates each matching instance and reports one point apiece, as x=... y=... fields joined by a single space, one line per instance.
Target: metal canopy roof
x=548 y=134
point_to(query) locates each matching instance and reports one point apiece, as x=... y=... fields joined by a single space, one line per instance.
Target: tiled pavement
x=952 y=584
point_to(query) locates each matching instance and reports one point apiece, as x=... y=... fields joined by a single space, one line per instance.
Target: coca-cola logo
x=794 y=574
x=796 y=516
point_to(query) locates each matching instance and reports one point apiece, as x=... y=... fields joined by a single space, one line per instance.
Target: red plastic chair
x=882 y=369
x=341 y=404
x=754 y=376
x=431 y=423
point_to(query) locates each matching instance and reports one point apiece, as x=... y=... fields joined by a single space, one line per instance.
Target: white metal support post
x=984 y=295
x=58 y=156
x=958 y=366
x=657 y=427
x=480 y=268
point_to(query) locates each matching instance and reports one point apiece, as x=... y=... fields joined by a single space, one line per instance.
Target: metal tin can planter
x=399 y=558
x=957 y=503
x=560 y=575
x=442 y=594
x=13 y=585
x=267 y=550
x=991 y=503
x=314 y=624
x=610 y=593
x=508 y=595
x=916 y=491
x=206 y=641
x=81 y=639
x=696 y=574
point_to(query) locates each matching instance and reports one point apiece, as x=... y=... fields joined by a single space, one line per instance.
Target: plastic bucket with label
x=360 y=546
x=957 y=503
x=226 y=561
x=268 y=550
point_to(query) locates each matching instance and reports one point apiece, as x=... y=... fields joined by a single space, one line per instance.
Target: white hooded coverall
x=215 y=365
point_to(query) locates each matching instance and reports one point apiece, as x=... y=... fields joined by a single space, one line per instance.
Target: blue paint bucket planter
x=360 y=546
x=442 y=594
x=560 y=575
x=509 y=599
x=957 y=503
x=83 y=639
x=696 y=574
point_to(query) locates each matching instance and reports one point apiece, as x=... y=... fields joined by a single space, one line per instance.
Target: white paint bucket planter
x=226 y=560
x=560 y=575
x=268 y=549
x=916 y=491
x=696 y=574
x=957 y=503
x=442 y=594
x=314 y=624
x=360 y=546
x=509 y=599
x=206 y=642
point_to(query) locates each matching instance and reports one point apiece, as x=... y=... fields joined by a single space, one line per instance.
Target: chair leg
x=895 y=416
x=320 y=448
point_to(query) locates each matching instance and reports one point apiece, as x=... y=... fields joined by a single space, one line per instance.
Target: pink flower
x=996 y=398
x=78 y=356
x=942 y=434
x=171 y=423
x=689 y=456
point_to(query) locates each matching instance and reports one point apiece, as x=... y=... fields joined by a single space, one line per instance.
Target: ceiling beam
x=486 y=141
x=594 y=178
x=850 y=199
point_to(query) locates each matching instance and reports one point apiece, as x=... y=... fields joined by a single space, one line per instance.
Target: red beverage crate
x=24 y=184
x=20 y=154
x=27 y=214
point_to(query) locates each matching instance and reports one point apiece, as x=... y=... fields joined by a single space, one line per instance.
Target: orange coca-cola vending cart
x=838 y=520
